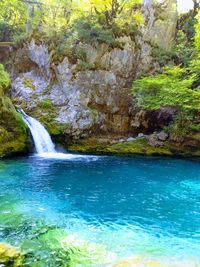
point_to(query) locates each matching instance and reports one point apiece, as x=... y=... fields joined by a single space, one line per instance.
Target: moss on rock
x=138 y=146
x=29 y=83
x=10 y=256
x=13 y=131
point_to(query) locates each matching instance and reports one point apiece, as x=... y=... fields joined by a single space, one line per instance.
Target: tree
x=197 y=34
x=111 y=9
x=196 y=5
x=172 y=88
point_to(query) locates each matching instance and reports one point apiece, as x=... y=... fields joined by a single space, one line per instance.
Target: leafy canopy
x=171 y=88
x=19 y=16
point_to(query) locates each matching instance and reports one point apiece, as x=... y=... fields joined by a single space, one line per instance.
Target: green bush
x=181 y=126
x=172 y=88
x=92 y=32
x=6 y=31
x=81 y=54
x=183 y=49
x=162 y=56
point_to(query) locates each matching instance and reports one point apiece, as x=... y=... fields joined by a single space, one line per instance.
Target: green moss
x=42 y=244
x=55 y=247
x=46 y=114
x=29 y=83
x=139 y=146
x=10 y=256
x=53 y=127
x=45 y=103
x=13 y=131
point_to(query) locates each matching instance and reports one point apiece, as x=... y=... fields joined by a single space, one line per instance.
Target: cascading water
x=42 y=140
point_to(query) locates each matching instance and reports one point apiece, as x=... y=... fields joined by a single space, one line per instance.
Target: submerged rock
x=138 y=262
x=10 y=256
x=144 y=261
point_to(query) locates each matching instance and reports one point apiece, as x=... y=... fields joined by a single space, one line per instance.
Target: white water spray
x=42 y=140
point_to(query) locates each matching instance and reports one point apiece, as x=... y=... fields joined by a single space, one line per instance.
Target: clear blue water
x=132 y=205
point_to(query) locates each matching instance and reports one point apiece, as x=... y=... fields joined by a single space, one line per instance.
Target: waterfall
x=42 y=140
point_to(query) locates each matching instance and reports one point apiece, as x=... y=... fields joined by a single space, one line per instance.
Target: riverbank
x=132 y=146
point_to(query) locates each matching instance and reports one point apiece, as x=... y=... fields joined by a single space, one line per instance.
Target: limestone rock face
x=78 y=102
x=83 y=101
x=39 y=55
x=161 y=23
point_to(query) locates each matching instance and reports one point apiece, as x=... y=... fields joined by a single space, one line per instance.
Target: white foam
x=43 y=144
x=68 y=156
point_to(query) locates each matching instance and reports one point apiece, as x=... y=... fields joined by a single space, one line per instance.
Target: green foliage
x=6 y=31
x=183 y=50
x=91 y=33
x=45 y=103
x=81 y=53
x=88 y=21
x=12 y=19
x=4 y=78
x=138 y=146
x=197 y=34
x=172 y=88
x=180 y=53
x=181 y=126
x=84 y=65
x=162 y=56
x=13 y=134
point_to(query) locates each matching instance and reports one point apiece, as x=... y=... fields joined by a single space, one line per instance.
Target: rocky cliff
x=13 y=132
x=75 y=102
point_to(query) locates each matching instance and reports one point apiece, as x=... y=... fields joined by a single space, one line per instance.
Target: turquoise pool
x=130 y=205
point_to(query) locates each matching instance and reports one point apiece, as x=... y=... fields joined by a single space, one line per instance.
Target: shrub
x=91 y=32
x=6 y=31
x=84 y=65
x=180 y=127
x=172 y=88
x=162 y=56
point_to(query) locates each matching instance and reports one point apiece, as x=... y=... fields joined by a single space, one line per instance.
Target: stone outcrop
x=74 y=102
x=83 y=101
x=13 y=131
x=161 y=23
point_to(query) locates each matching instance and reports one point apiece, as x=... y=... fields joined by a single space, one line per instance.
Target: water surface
x=132 y=205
